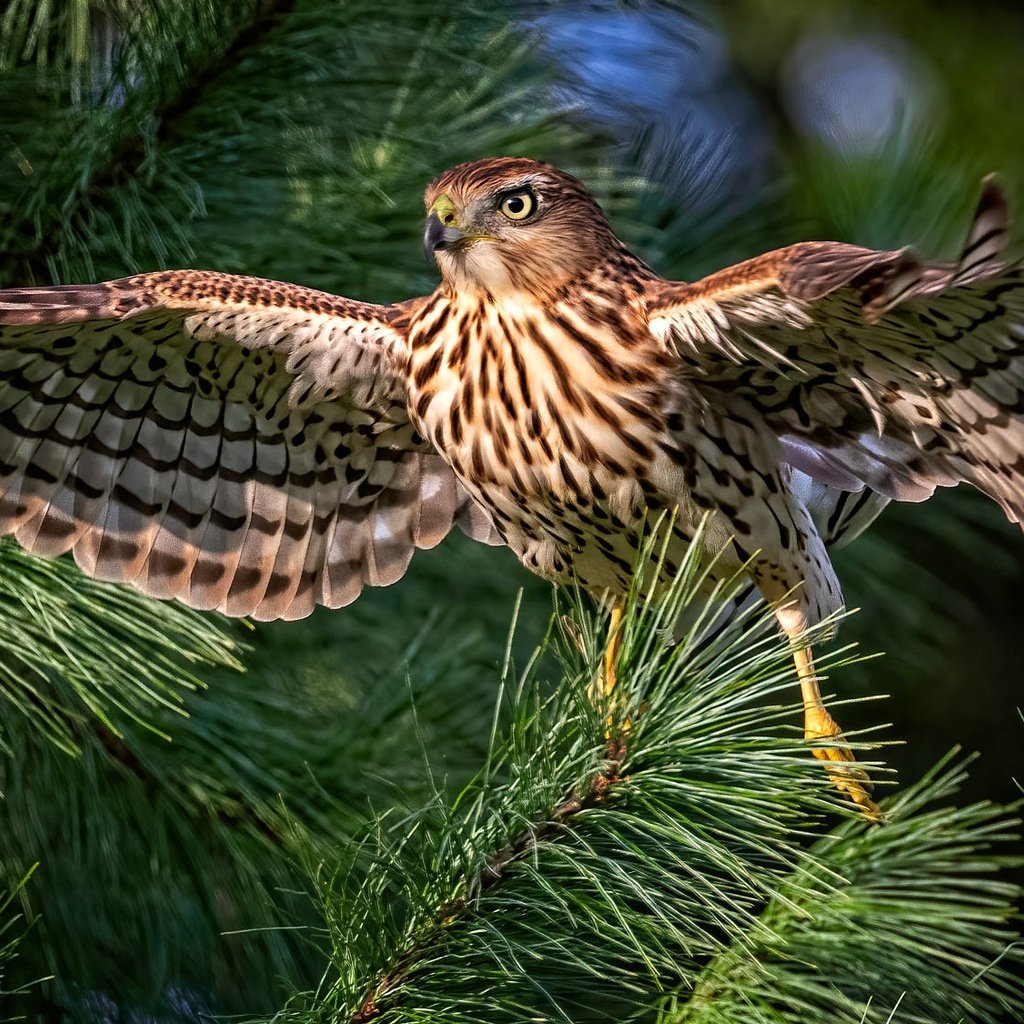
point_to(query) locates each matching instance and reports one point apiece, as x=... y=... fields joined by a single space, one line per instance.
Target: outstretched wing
x=238 y=444
x=870 y=367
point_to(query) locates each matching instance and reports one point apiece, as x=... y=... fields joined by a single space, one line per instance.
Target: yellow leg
x=611 y=651
x=602 y=687
x=847 y=776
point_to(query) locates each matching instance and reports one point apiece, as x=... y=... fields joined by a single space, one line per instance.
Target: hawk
x=260 y=448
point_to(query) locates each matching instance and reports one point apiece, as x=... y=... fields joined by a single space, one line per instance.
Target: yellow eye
x=517 y=205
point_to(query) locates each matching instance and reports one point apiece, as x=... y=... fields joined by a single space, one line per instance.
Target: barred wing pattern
x=872 y=368
x=239 y=444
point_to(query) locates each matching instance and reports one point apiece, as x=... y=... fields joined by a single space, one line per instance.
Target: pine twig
x=491 y=874
x=267 y=15
x=117 y=148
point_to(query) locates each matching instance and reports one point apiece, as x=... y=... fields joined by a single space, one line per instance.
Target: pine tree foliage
x=126 y=70
x=910 y=933
x=665 y=842
x=11 y=934
x=73 y=649
x=183 y=813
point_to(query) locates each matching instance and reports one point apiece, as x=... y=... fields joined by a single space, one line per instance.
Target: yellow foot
x=840 y=764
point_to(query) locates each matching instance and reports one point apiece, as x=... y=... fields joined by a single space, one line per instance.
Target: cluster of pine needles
x=673 y=855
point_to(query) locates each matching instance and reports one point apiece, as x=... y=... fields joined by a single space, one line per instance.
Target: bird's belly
x=574 y=462
x=573 y=512
x=596 y=535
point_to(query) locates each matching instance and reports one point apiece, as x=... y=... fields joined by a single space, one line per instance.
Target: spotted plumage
x=238 y=444
x=259 y=448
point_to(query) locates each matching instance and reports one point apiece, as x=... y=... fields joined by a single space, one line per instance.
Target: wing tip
x=980 y=256
x=987 y=236
x=993 y=194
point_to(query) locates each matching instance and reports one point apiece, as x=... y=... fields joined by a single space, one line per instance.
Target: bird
x=260 y=448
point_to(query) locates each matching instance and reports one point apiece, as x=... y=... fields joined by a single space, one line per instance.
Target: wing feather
x=238 y=444
x=872 y=368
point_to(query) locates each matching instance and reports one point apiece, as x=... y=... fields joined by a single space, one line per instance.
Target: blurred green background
x=292 y=140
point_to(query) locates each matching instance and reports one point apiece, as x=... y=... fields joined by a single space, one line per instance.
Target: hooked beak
x=442 y=230
x=438 y=236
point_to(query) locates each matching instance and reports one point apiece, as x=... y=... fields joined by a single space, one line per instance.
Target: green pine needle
x=73 y=648
x=580 y=875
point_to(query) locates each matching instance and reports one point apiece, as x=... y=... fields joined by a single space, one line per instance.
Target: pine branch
x=168 y=55
x=421 y=918
x=259 y=18
x=73 y=647
x=918 y=927
x=678 y=862
x=430 y=938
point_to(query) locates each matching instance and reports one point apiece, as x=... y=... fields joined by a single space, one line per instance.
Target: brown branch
x=593 y=794
x=120 y=752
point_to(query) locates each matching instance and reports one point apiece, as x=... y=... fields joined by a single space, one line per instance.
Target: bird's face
x=508 y=224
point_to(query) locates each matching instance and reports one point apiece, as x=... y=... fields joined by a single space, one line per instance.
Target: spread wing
x=238 y=444
x=871 y=368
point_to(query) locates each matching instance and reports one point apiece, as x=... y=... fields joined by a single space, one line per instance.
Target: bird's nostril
x=449 y=218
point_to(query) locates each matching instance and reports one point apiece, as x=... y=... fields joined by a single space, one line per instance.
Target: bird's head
x=509 y=224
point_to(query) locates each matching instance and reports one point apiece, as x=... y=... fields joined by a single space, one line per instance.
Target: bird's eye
x=517 y=205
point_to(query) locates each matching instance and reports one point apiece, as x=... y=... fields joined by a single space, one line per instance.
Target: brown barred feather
x=873 y=369
x=239 y=444
x=259 y=447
